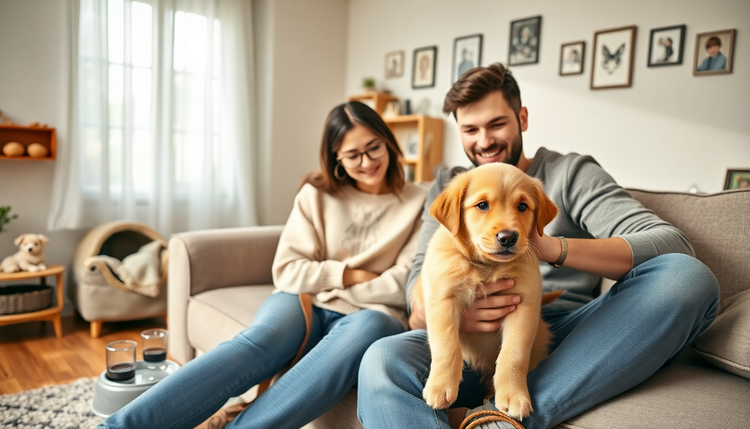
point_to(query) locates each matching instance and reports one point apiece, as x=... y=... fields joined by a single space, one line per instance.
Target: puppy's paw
x=516 y=405
x=439 y=394
x=42 y=267
x=33 y=269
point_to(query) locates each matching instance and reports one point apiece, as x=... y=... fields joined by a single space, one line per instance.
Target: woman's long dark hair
x=342 y=119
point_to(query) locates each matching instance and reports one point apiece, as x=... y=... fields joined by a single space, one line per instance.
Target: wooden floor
x=32 y=357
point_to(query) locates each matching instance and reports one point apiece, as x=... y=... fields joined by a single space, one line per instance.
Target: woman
x=349 y=242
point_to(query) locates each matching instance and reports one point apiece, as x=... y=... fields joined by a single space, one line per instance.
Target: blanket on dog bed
x=139 y=272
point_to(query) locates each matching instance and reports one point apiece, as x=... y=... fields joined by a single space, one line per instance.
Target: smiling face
x=369 y=176
x=491 y=131
x=31 y=243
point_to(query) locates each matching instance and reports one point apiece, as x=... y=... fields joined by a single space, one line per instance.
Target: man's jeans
x=315 y=384
x=599 y=350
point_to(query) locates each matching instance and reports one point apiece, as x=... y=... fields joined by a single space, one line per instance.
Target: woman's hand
x=486 y=314
x=354 y=276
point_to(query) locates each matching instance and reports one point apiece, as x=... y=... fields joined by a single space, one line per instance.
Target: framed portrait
x=394 y=64
x=524 y=41
x=571 y=58
x=467 y=54
x=666 y=45
x=713 y=53
x=737 y=179
x=423 y=69
x=612 y=64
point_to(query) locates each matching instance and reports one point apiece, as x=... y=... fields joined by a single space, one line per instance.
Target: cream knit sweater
x=327 y=233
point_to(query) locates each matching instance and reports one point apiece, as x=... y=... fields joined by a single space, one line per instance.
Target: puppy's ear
x=43 y=239
x=545 y=211
x=19 y=239
x=446 y=208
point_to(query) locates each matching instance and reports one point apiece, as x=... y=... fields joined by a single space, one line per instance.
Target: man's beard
x=512 y=156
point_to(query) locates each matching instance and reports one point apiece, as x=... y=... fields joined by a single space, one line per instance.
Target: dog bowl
x=111 y=395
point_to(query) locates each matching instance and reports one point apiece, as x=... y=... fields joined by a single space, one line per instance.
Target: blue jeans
x=600 y=350
x=316 y=383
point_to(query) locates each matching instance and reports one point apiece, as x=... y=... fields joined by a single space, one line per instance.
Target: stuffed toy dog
x=31 y=256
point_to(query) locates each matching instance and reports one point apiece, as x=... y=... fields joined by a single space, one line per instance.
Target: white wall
x=30 y=91
x=305 y=42
x=670 y=130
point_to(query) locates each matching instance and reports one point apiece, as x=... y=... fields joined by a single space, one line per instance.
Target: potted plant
x=368 y=84
x=5 y=216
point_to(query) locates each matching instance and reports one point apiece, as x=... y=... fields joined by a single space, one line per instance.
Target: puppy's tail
x=551 y=296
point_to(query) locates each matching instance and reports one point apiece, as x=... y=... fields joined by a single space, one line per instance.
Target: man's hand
x=486 y=314
x=547 y=248
x=354 y=276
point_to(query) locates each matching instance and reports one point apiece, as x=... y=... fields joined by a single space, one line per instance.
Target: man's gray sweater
x=591 y=205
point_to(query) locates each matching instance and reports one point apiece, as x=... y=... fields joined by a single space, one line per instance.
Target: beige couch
x=219 y=278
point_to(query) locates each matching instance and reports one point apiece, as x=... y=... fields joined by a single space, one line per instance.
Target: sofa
x=219 y=278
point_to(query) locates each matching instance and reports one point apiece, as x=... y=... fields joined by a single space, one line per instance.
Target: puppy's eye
x=483 y=206
x=522 y=207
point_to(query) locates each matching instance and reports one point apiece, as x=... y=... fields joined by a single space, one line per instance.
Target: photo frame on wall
x=612 y=63
x=571 y=58
x=714 y=53
x=423 y=69
x=666 y=45
x=737 y=179
x=525 y=35
x=394 y=64
x=467 y=54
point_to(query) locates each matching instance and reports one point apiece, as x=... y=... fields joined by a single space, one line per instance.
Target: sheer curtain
x=160 y=127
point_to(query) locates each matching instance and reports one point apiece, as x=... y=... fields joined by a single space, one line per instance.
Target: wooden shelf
x=27 y=135
x=376 y=100
x=428 y=132
x=53 y=313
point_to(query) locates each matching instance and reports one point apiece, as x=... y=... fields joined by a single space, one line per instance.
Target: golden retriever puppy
x=30 y=257
x=487 y=216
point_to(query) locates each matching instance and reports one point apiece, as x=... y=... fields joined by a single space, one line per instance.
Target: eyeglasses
x=354 y=159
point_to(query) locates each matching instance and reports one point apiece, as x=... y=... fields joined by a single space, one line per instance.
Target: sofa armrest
x=200 y=261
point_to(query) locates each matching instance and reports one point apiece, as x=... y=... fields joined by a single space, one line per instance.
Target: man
x=602 y=346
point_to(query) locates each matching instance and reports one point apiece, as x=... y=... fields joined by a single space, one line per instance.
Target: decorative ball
x=36 y=150
x=13 y=149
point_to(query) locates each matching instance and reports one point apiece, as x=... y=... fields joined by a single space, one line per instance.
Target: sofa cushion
x=687 y=393
x=218 y=315
x=716 y=224
x=726 y=343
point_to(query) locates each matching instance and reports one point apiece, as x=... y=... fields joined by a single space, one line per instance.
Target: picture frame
x=737 y=179
x=666 y=46
x=572 y=56
x=394 y=64
x=467 y=54
x=423 y=68
x=525 y=35
x=612 y=62
x=707 y=64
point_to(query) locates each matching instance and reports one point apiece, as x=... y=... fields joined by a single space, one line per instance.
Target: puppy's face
x=31 y=244
x=492 y=211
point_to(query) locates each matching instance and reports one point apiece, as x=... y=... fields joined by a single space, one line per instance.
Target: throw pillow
x=726 y=343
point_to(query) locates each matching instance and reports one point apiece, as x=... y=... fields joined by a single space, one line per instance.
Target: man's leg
x=391 y=379
x=621 y=338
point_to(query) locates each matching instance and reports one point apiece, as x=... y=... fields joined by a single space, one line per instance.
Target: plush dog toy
x=31 y=256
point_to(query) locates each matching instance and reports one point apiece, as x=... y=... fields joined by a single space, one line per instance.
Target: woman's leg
x=323 y=376
x=198 y=389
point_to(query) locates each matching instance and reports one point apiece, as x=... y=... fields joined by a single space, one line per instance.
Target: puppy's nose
x=507 y=238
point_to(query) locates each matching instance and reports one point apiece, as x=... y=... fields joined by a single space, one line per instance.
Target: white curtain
x=159 y=125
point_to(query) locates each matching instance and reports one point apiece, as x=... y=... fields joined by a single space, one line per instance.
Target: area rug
x=64 y=406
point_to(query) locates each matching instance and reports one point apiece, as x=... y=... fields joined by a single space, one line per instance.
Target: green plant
x=5 y=216
x=368 y=82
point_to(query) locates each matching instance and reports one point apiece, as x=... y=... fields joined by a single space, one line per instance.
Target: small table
x=53 y=313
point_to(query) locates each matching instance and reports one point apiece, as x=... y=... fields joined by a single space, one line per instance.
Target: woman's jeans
x=600 y=350
x=315 y=384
